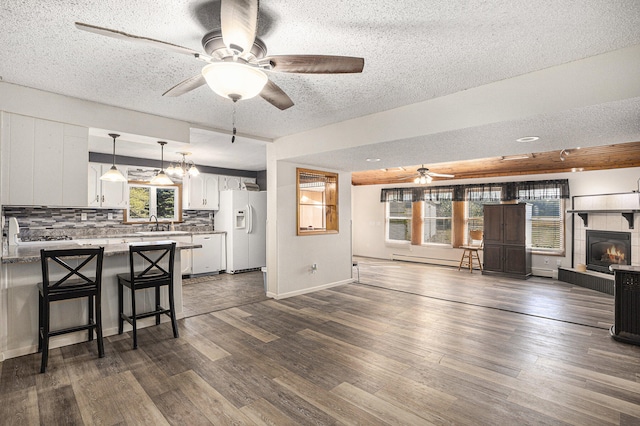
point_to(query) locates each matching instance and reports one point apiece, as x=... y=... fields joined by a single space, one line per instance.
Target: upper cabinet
x=43 y=162
x=104 y=193
x=201 y=192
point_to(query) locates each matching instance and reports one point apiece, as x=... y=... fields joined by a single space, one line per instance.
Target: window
x=475 y=215
x=147 y=200
x=436 y=220
x=477 y=198
x=317 y=202
x=547 y=226
x=399 y=221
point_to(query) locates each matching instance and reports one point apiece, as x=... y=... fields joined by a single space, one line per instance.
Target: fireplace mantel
x=627 y=214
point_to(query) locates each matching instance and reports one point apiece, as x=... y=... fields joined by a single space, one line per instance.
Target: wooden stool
x=79 y=281
x=472 y=251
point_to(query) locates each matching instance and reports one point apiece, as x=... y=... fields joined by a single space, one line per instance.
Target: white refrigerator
x=243 y=216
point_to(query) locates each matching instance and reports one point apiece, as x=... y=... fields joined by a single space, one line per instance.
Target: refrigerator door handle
x=249 y=219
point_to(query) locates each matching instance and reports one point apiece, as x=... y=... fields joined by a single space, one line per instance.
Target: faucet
x=156 y=218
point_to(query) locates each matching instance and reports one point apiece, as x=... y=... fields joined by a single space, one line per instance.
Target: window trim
x=563 y=237
x=387 y=217
x=153 y=208
x=330 y=202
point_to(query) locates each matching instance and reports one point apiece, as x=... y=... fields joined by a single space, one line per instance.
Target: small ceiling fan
x=425 y=176
x=237 y=59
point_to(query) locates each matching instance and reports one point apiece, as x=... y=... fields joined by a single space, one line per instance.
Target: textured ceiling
x=414 y=51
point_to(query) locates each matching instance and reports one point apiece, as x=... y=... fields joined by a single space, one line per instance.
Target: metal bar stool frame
x=152 y=276
x=77 y=283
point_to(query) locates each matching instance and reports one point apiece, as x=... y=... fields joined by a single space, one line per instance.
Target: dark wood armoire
x=507 y=240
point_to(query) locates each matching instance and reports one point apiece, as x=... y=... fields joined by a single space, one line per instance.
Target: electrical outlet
x=110 y=215
x=558 y=262
x=314 y=268
x=546 y=260
x=83 y=216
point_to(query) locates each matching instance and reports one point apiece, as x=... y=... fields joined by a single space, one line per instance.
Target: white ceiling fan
x=237 y=61
x=425 y=176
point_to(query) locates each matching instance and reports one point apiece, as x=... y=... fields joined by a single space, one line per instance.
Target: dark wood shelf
x=626 y=213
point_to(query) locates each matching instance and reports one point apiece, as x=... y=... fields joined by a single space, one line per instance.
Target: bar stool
x=84 y=280
x=151 y=265
x=472 y=250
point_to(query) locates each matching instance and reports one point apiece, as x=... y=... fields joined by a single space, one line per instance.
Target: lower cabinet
x=209 y=258
x=185 y=255
x=507 y=259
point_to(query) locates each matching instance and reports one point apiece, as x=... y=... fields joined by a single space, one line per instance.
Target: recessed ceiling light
x=373 y=160
x=528 y=139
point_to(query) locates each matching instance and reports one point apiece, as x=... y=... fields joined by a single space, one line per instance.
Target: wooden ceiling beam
x=591 y=158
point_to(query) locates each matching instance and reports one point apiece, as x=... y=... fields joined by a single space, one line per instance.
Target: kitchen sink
x=160 y=233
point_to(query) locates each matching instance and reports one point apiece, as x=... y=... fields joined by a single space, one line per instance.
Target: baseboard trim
x=311 y=289
x=423 y=259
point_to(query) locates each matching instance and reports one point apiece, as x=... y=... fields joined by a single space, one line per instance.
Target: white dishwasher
x=185 y=255
x=206 y=260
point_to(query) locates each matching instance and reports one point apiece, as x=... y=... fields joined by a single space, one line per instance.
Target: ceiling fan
x=425 y=176
x=237 y=59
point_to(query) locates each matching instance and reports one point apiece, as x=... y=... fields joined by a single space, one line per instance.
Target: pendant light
x=161 y=178
x=113 y=174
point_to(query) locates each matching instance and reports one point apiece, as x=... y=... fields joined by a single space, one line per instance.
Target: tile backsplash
x=39 y=222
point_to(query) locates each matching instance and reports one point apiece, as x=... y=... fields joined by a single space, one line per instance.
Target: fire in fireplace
x=606 y=248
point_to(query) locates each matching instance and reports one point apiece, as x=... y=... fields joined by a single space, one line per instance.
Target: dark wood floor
x=411 y=344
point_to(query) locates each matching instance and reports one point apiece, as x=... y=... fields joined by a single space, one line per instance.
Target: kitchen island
x=21 y=271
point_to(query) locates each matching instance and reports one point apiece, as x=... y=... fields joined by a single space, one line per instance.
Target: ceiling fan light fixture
x=234 y=80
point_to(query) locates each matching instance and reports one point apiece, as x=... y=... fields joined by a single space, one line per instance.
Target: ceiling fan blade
x=239 y=23
x=138 y=39
x=185 y=86
x=440 y=175
x=315 y=64
x=273 y=94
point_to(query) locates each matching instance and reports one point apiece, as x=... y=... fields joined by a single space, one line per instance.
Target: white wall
x=295 y=254
x=64 y=109
x=369 y=218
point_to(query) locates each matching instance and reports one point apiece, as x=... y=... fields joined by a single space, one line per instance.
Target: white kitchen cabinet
x=201 y=192
x=43 y=162
x=104 y=193
x=211 y=256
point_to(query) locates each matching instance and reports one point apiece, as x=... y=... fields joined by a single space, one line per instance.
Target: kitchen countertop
x=29 y=254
